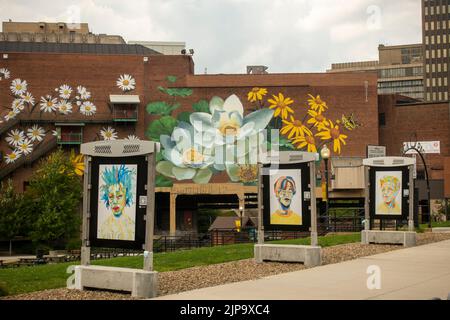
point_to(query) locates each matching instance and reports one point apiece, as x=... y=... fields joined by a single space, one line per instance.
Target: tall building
x=436 y=42
x=58 y=32
x=400 y=69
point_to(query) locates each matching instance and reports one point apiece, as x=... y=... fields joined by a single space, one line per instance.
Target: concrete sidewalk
x=421 y=272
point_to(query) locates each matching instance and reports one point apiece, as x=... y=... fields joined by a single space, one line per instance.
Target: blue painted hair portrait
x=117 y=189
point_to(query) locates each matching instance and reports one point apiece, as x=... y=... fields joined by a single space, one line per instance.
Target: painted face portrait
x=117 y=198
x=284 y=191
x=390 y=186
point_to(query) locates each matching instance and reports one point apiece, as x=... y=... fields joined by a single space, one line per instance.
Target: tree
x=14 y=220
x=56 y=191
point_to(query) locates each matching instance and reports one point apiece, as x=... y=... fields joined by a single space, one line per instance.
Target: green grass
x=28 y=279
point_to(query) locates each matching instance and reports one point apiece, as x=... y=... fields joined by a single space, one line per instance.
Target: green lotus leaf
x=162 y=181
x=233 y=172
x=164 y=125
x=184 y=173
x=184 y=116
x=203 y=176
x=201 y=106
x=171 y=79
x=165 y=168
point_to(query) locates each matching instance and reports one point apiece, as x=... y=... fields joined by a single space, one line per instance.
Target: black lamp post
x=325 y=154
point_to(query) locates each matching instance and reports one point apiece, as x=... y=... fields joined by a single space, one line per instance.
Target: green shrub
x=56 y=192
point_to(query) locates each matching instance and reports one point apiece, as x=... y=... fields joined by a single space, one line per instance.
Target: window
x=427 y=40
x=445 y=95
x=445 y=82
x=439 y=67
x=440 y=95
x=382 y=119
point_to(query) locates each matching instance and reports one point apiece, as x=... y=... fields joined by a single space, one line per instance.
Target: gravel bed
x=212 y=275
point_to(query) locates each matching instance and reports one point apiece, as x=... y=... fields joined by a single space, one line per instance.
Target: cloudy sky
x=228 y=35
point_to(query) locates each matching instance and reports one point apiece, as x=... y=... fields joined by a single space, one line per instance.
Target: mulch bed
x=212 y=275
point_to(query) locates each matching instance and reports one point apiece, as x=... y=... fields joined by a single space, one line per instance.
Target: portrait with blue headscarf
x=286 y=201
x=117 y=202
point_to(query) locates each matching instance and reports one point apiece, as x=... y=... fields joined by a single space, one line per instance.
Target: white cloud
x=228 y=35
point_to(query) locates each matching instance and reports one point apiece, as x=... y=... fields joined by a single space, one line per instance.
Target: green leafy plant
x=164 y=125
x=56 y=192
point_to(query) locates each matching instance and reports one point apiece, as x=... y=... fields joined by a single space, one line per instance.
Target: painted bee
x=349 y=122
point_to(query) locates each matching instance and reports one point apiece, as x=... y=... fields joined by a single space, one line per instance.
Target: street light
x=325 y=154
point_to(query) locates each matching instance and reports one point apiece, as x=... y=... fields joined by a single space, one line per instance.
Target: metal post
x=326 y=193
x=312 y=173
x=150 y=213
x=366 y=199
x=260 y=205
x=411 y=199
x=85 y=248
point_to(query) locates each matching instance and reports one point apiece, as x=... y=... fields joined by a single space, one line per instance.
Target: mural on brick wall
x=65 y=101
x=216 y=136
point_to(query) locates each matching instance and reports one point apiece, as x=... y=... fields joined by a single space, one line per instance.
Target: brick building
x=97 y=68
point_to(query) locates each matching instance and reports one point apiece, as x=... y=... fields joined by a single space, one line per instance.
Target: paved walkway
x=421 y=272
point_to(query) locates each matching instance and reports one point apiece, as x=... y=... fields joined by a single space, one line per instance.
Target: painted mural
x=217 y=136
x=64 y=101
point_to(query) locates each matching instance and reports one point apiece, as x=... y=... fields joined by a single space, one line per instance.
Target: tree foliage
x=56 y=191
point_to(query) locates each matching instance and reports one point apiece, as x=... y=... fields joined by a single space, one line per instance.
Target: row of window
x=400 y=72
x=436 y=39
x=437 y=81
x=437 y=96
x=399 y=84
x=437 y=25
x=437 y=10
x=436 y=67
x=439 y=53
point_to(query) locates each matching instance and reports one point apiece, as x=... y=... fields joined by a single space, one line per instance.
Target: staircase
x=46 y=146
x=8 y=125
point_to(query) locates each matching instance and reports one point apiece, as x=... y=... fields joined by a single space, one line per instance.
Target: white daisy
x=15 y=137
x=28 y=98
x=65 y=91
x=12 y=114
x=132 y=137
x=26 y=147
x=18 y=87
x=84 y=94
x=126 y=82
x=18 y=104
x=88 y=108
x=108 y=134
x=4 y=73
x=65 y=107
x=13 y=156
x=36 y=133
x=48 y=104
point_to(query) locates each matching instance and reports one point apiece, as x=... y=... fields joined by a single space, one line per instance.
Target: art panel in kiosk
x=117 y=202
x=116 y=216
x=286 y=197
x=389 y=192
x=388 y=195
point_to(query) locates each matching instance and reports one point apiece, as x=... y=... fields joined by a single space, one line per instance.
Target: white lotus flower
x=12 y=114
x=15 y=137
x=108 y=134
x=132 y=137
x=18 y=105
x=28 y=98
x=48 y=104
x=126 y=82
x=227 y=121
x=83 y=93
x=4 y=73
x=187 y=157
x=25 y=147
x=18 y=87
x=65 y=91
x=88 y=108
x=64 y=107
x=36 y=133
x=12 y=157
